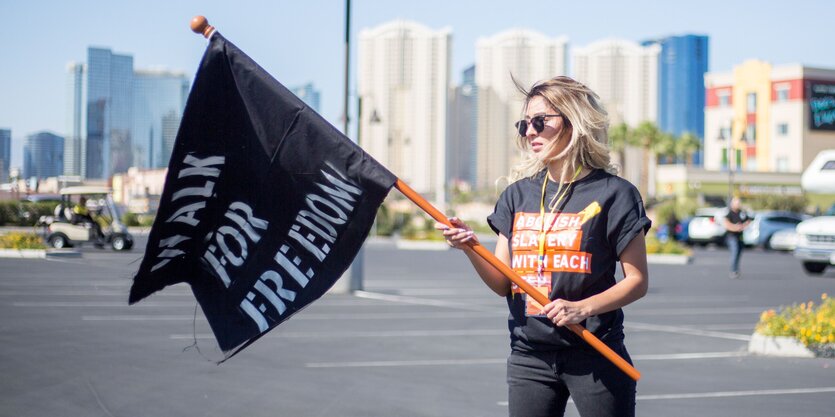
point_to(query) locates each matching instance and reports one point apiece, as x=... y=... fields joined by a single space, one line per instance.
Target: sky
x=303 y=41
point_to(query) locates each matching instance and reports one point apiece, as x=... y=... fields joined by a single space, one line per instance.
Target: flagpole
x=541 y=298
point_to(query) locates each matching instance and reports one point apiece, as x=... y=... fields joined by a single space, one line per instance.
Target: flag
x=265 y=203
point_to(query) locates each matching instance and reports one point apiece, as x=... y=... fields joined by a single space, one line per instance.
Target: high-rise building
x=624 y=75
x=109 y=113
x=462 y=130
x=764 y=118
x=520 y=55
x=76 y=122
x=170 y=126
x=159 y=98
x=681 y=92
x=5 y=154
x=308 y=95
x=404 y=86
x=43 y=155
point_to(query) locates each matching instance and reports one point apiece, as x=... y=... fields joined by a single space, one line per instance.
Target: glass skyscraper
x=681 y=90
x=462 y=130
x=5 y=154
x=109 y=113
x=308 y=95
x=159 y=100
x=43 y=155
x=76 y=133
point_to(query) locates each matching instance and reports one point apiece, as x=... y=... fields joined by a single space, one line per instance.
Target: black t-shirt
x=737 y=217
x=599 y=216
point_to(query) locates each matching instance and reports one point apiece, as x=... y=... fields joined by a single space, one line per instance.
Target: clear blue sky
x=302 y=41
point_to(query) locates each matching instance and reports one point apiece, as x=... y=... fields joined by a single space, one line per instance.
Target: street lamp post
x=730 y=166
x=731 y=152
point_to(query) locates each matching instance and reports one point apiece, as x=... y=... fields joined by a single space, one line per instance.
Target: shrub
x=669 y=247
x=130 y=219
x=811 y=325
x=24 y=213
x=146 y=220
x=18 y=240
x=778 y=202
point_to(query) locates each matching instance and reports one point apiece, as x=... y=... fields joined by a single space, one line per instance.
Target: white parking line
x=142 y=317
x=437 y=362
x=35 y=282
x=313 y=316
x=683 y=356
x=652 y=298
x=43 y=304
x=365 y=334
x=492 y=361
x=688 y=311
x=725 y=394
x=418 y=301
x=685 y=330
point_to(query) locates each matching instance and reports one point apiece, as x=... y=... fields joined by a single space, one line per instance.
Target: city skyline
x=35 y=80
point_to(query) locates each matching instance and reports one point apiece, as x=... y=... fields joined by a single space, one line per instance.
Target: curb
x=421 y=245
x=39 y=253
x=668 y=259
x=778 y=346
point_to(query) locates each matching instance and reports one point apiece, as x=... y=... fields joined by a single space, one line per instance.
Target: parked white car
x=816 y=237
x=816 y=244
x=785 y=240
x=707 y=226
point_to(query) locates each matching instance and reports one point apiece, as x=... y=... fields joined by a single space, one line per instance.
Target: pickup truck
x=816 y=243
x=816 y=237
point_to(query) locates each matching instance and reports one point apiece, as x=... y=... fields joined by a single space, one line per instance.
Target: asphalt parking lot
x=425 y=338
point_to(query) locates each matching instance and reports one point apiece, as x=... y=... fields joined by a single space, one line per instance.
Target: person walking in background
x=735 y=222
x=565 y=222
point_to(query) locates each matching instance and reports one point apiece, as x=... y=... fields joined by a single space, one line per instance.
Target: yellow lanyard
x=542 y=231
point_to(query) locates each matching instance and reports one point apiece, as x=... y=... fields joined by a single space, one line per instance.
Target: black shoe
x=99 y=245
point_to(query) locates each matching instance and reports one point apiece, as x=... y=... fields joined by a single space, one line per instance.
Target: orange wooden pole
x=581 y=331
x=199 y=24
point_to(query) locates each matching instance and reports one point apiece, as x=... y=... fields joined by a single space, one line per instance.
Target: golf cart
x=72 y=225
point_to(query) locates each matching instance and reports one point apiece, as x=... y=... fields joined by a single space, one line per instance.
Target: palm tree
x=619 y=137
x=646 y=136
x=686 y=146
x=667 y=147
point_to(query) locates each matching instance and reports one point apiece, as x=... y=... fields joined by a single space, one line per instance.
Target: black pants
x=540 y=383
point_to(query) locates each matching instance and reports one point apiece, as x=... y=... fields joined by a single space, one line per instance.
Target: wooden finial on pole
x=199 y=24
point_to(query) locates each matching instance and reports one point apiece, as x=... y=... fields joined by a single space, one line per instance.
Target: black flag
x=265 y=203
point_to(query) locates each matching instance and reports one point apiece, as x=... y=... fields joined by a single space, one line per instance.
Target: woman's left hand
x=562 y=312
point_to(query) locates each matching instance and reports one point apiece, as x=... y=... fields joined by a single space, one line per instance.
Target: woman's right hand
x=459 y=236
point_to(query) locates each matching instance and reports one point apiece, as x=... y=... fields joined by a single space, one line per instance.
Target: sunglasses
x=538 y=123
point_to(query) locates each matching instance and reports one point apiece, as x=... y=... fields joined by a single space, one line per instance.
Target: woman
x=565 y=222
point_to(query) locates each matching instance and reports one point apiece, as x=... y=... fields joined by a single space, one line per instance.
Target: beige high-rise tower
x=625 y=76
x=526 y=56
x=403 y=84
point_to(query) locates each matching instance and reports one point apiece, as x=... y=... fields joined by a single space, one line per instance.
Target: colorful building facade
x=764 y=118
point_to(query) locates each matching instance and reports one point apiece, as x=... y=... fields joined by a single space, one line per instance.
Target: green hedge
x=24 y=213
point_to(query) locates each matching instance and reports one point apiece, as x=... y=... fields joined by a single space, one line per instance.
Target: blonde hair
x=588 y=123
